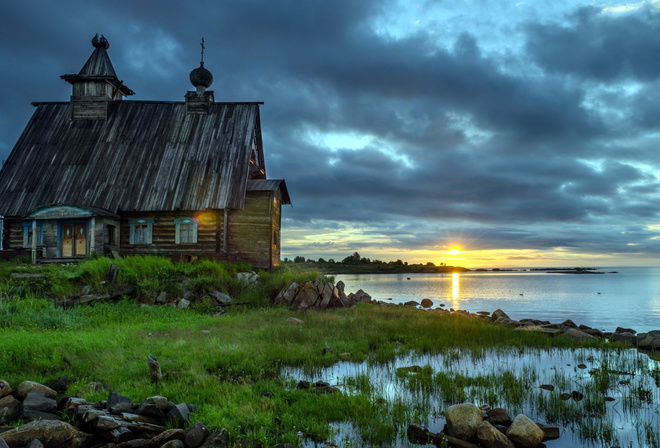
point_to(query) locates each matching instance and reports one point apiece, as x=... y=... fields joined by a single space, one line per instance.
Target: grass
x=232 y=366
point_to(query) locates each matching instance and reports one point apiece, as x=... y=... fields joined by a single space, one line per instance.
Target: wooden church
x=99 y=174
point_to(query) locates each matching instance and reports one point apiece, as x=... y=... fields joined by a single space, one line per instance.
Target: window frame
x=145 y=224
x=27 y=234
x=192 y=232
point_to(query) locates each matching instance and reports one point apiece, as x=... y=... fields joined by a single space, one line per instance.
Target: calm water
x=630 y=298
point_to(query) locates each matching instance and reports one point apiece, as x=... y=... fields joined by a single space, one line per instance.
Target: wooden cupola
x=96 y=84
x=199 y=102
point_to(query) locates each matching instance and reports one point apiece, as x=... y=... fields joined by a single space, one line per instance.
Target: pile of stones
x=469 y=426
x=52 y=421
x=318 y=295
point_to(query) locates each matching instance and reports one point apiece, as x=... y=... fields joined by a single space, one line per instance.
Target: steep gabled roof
x=147 y=156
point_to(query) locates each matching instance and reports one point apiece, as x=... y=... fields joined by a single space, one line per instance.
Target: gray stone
x=490 y=437
x=158 y=400
x=196 y=435
x=463 y=420
x=551 y=432
x=178 y=415
x=176 y=443
x=150 y=410
x=294 y=321
x=183 y=304
x=3 y=444
x=524 y=432
x=650 y=340
x=625 y=330
x=36 y=443
x=27 y=386
x=162 y=297
x=628 y=339
x=36 y=400
x=497 y=314
x=427 y=303
x=217 y=439
x=498 y=416
x=411 y=303
x=114 y=399
x=577 y=335
x=5 y=388
x=10 y=409
x=30 y=416
x=220 y=298
x=53 y=434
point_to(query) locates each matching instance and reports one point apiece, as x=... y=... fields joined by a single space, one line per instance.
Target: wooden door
x=74 y=239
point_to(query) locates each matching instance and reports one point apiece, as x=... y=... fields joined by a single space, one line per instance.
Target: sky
x=520 y=133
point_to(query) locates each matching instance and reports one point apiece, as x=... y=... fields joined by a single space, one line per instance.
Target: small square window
x=186 y=231
x=140 y=231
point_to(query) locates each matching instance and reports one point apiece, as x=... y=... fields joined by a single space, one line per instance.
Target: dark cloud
x=549 y=143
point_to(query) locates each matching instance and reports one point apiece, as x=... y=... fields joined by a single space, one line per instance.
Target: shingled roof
x=147 y=156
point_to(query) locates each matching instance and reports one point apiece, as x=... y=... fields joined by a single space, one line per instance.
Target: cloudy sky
x=523 y=133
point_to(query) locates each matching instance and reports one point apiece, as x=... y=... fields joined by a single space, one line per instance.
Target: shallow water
x=629 y=298
x=632 y=413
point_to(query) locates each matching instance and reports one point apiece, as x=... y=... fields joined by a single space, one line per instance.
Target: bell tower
x=199 y=102
x=96 y=84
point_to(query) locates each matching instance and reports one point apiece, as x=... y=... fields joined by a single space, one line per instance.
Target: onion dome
x=201 y=77
x=100 y=42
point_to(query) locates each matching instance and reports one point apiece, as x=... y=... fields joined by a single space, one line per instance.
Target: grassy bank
x=231 y=365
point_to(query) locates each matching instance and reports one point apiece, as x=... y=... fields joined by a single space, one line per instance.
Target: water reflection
x=455 y=289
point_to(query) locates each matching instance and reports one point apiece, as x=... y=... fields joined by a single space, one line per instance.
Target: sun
x=454 y=251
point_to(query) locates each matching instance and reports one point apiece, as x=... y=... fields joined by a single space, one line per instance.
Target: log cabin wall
x=251 y=230
x=276 y=226
x=163 y=238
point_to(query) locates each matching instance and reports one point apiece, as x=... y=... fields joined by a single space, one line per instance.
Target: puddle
x=611 y=397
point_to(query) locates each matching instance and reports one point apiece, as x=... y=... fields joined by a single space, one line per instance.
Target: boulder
x=27 y=386
x=52 y=433
x=577 y=335
x=10 y=409
x=418 y=434
x=650 y=340
x=36 y=400
x=463 y=420
x=294 y=321
x=498 y=416
x=524 y=432
x=490 y=437
x=497 y=314
x=195 y=435
x=628 y=339
x=217 y=439
x=625 y=330
x=427 y=303
x=5 y=388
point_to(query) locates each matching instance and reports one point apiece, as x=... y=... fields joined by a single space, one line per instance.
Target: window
x=186 y=231
x=27 y=234
x=140 y=231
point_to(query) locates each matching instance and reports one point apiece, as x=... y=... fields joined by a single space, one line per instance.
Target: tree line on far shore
x=355 y=263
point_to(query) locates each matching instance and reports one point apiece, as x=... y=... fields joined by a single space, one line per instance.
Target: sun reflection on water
x=455 y=289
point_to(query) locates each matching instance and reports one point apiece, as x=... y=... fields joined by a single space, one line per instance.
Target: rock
x=248 y=277
x=5 y=388
x=286 y=296
x=27 y=386
x=150 y=410
x=168 y=436
x=10 y=409
x=577 y=335
x=411 y=303
x=625 y=330
x=551 y=432
x=524 y=432
x=506 y=322
x=489 y=437
x=294 y=321
x=217 y=439
x=178 y=415
x=173 y=444
x=3 y=444
x=497 y=314
x=161 y=402
x=549 y=387
x=427 y=303
x=247 y=444
x=628 y=339
x=650 y=340
x=220 y=298
x=53 y=434
x=195 y=435
x=569 y=323
x=115 y=399
x=30 y=416
x=498 y=416
x=183 y=304
x=307 y=297
x=36 y=400
x=36 y=443
x=162 y=297
x=418 y=434
x=463 y=420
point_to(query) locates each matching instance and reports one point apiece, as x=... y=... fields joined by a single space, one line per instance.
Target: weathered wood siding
x=251 y=230
x=209 y=232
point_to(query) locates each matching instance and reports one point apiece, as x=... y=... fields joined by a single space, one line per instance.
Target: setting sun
x=454 y=251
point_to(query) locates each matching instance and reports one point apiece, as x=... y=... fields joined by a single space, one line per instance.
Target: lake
x=629 y=298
